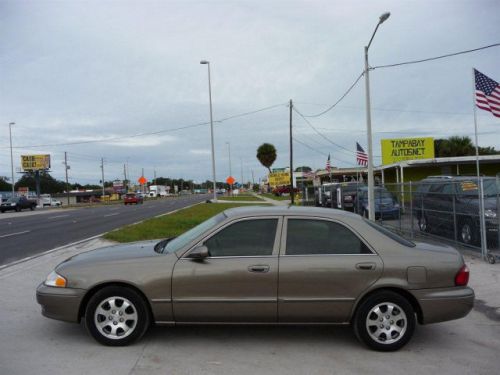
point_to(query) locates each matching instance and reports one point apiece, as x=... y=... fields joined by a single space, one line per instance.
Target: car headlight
x=12 y=204
x=490 y=214
x=55 y=280
x=396 y=205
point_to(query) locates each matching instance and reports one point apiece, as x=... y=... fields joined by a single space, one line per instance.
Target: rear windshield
x=393 y=236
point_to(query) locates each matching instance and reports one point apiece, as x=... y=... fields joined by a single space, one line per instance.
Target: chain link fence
x=462 y=211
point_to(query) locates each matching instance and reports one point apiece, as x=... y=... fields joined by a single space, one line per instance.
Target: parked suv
x=450 y=205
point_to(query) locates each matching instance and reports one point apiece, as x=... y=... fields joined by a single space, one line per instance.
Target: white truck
x=47 y=200
x=158 y=191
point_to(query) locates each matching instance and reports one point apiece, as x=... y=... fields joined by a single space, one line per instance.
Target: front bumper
x=440 y=305
x=60 y=303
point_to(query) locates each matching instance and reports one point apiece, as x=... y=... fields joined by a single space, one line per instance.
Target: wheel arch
x=402 y=292
x=96 y=288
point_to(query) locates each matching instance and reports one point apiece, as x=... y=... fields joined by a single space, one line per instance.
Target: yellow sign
x=394 y=150
x=35 y=162
x=279 y=179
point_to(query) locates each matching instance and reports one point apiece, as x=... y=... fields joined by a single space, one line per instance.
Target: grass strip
x=246 y=198
x=169 y=225
x=277 y=198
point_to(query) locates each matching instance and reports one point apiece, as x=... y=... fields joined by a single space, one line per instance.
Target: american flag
x=361 y=156
x=328 y=165
x=487 y=93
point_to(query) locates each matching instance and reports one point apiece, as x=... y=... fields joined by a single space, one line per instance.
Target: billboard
x=279 y=179
x=394 y=150
x=35 y=162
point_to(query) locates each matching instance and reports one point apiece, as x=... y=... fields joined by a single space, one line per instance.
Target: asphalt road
x=24 y=234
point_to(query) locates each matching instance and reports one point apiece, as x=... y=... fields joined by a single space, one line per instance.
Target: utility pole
x=102 y=172
x=154 y=179
x=66 y=167
x=11 y=158
x=291 y=155
x=125 y=182
x=142 y=175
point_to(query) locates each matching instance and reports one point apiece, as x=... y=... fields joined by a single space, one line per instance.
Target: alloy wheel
x=386 y=323
x=116 y=317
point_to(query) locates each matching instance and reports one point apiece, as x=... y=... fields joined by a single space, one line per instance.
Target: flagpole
x=482 y=224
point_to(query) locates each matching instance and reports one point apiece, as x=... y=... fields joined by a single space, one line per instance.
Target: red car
x=130 y=198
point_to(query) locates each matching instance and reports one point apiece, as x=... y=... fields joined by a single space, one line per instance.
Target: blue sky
x=80 y=71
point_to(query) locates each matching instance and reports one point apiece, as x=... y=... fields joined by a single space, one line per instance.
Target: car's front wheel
x=385 y=321
x=467 y=232
x=116 y=316
x=422 y=223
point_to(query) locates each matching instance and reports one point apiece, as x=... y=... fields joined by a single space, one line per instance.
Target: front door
x=238 y=281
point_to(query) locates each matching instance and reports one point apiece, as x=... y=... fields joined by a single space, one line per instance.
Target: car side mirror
x=200 y=252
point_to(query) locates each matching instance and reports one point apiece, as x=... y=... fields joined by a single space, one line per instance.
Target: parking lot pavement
x=32 y=344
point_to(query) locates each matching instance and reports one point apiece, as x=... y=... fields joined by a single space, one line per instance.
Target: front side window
x=317 y=237
x=244 y=238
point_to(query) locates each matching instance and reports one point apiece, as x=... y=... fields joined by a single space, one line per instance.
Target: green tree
x=454 y=146
x=460 y=146
x=4 y=185
x=48 y=184
x=266 y=153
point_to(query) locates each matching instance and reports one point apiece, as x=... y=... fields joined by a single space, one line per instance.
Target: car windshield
x=179 y=242
x=390 y=234
x=383 y=194
x=12 y=200
x=471 y=187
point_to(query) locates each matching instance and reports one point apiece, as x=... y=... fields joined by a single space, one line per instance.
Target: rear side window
x=318 y=237
x=391 y=235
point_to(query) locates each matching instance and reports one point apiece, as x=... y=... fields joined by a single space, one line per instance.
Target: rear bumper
x=440 y=305
x=60 y=303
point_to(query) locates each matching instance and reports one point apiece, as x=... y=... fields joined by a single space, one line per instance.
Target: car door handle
x=365 y=266
x=259 y=268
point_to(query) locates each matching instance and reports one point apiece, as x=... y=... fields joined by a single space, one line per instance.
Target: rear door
x=324 y=267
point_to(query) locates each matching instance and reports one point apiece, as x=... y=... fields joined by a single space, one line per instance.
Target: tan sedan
x=280 y=265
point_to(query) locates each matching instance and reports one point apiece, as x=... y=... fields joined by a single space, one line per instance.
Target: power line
x=340 y=99
x=434 y=58
x=152 y=133
x=321 y=134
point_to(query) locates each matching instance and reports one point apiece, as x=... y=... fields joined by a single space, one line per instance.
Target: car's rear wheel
x=116 y=316
x=385 y=321
x=18 y=209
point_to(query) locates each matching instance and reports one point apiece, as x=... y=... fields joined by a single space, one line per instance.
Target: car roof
x=455 y=178
x=288 y=210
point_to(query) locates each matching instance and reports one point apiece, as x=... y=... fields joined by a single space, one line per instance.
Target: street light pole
x=230 y=172
x=204 y=62
x=11 y=157
x=371 y=181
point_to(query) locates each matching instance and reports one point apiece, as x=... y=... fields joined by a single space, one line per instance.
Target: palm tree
x=266 y=153
x=454 y=146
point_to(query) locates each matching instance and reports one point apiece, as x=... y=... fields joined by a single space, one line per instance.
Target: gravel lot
x=32 y=344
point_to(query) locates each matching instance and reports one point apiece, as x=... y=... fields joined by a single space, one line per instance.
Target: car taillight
x=462 y=277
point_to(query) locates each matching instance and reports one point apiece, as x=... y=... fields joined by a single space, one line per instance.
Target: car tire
x=385 y=321
x=18 y=209
x=467 y=232
x=423 y=223
x=32 y=208
x=107 y=312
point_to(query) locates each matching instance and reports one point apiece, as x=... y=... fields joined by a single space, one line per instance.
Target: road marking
x=14 y=234
x=114 y=209
x=58 y=216
x=112 y=214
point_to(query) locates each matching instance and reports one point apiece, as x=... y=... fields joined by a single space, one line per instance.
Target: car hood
x=116 y=254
